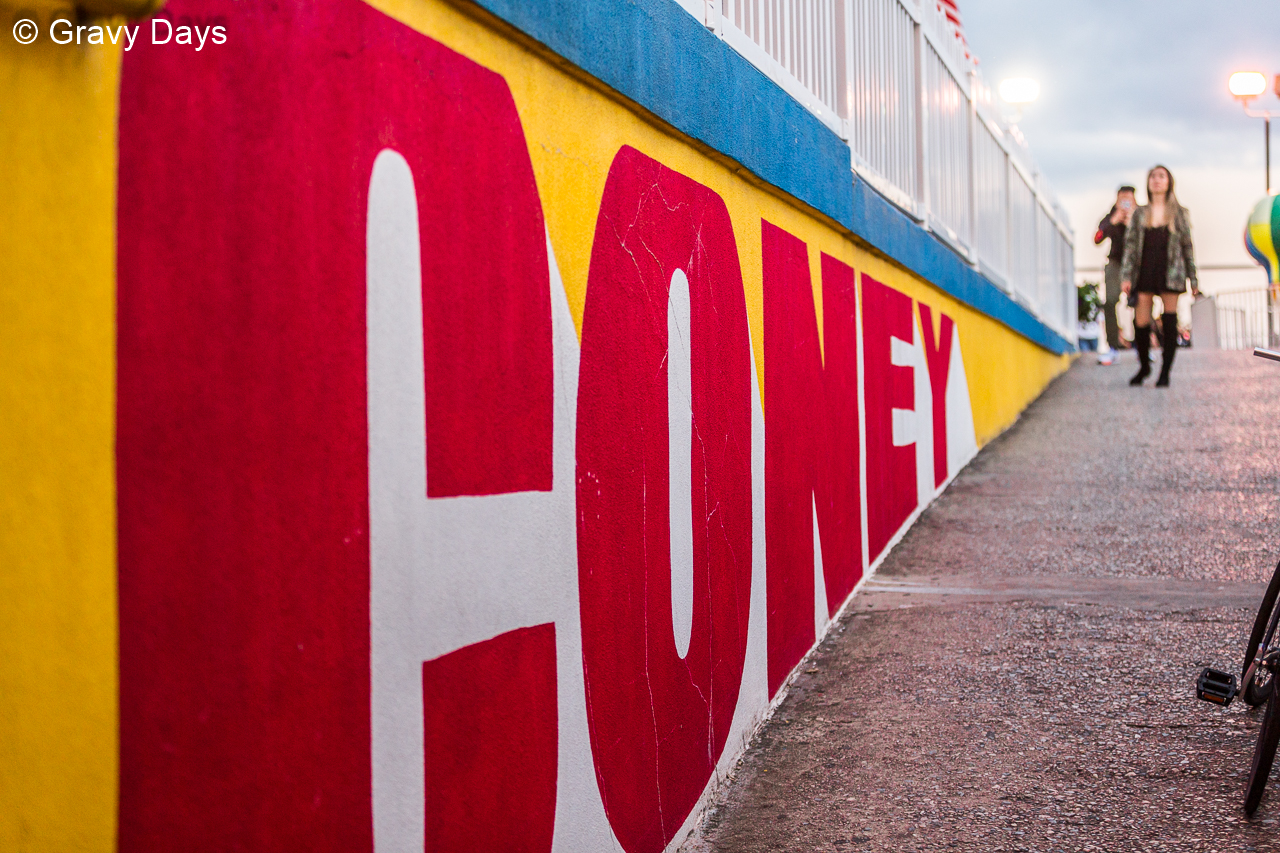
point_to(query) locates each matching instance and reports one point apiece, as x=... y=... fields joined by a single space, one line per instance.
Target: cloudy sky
x=1126 y=84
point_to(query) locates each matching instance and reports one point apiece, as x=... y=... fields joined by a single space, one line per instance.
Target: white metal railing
x=895 y=80
x=1245 y=319
x=802 y=37
x=947 y=114
x=1022 y=238
x=991 y=202
x=882 y=121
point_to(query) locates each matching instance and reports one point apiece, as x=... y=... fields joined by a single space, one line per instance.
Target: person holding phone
x=1112 y=227
x=1158 y=261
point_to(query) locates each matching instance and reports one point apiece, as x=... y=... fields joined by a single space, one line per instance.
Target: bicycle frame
x=1220 y=687
x=1262 y=657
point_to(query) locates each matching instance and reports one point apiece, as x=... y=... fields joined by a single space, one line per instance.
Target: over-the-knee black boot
x=1142 y=343
x=1169 y=324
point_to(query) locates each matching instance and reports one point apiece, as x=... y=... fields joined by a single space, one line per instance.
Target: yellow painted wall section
x=58 y=682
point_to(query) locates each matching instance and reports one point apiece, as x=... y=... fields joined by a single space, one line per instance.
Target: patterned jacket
x=1182 y=258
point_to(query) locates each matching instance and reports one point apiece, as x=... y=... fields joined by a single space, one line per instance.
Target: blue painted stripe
x=656 y=54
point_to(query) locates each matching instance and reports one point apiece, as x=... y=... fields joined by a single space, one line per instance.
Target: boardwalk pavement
x=1019 y=674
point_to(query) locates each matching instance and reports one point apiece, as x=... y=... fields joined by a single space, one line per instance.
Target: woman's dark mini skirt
x=1153 y=272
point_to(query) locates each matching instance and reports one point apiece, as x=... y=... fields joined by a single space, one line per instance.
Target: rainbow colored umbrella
x=1262 y=236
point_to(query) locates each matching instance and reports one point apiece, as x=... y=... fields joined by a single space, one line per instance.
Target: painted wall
x=58 y=693
x=410 y=442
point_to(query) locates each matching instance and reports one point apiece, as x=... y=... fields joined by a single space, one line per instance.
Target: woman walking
x=1158 y=261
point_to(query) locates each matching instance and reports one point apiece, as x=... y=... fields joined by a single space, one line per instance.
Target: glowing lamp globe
x=1019 y=90
x=1247 y=84
x=1262 y=236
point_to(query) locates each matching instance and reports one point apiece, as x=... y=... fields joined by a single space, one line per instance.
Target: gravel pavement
x=1019 y=675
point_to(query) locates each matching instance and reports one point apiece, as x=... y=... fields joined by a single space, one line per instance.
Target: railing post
x=972 y=236
x=844 y=77
x=1011 y=271
x=787 y=54
x=1037 y=281
x=713 y=17
x=1271 y=317
x=922 y=108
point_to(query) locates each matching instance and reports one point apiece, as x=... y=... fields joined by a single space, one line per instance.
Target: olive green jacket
x=1182 y=258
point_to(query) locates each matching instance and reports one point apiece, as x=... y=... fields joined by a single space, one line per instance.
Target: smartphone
x=1126 y=204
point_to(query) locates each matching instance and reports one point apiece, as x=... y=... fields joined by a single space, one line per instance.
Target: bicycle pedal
x=1217 y=686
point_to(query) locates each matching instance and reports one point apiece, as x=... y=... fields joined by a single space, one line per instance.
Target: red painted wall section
x=658 y=723
x=490 y=735
x=811 y=443
x=938 y=358
x=891 y=470
x=242 y=427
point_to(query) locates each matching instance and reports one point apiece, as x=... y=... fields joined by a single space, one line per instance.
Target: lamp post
x=1245 y=86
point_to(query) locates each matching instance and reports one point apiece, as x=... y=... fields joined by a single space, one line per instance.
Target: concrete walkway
x=1020 y=673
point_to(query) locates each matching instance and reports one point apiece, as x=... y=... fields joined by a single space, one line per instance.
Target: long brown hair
x=1169 y=198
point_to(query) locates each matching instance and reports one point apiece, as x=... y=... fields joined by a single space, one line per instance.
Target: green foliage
x=1088 y=301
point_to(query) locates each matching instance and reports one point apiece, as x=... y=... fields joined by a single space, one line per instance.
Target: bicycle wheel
x=1264 y=754
x=1260 y=687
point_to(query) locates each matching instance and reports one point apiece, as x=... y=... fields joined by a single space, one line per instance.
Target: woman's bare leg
x=1142 y=314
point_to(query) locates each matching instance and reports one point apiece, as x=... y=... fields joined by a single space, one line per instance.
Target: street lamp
x=1244 y=87
x=1247 y=84
x=1018 y=92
